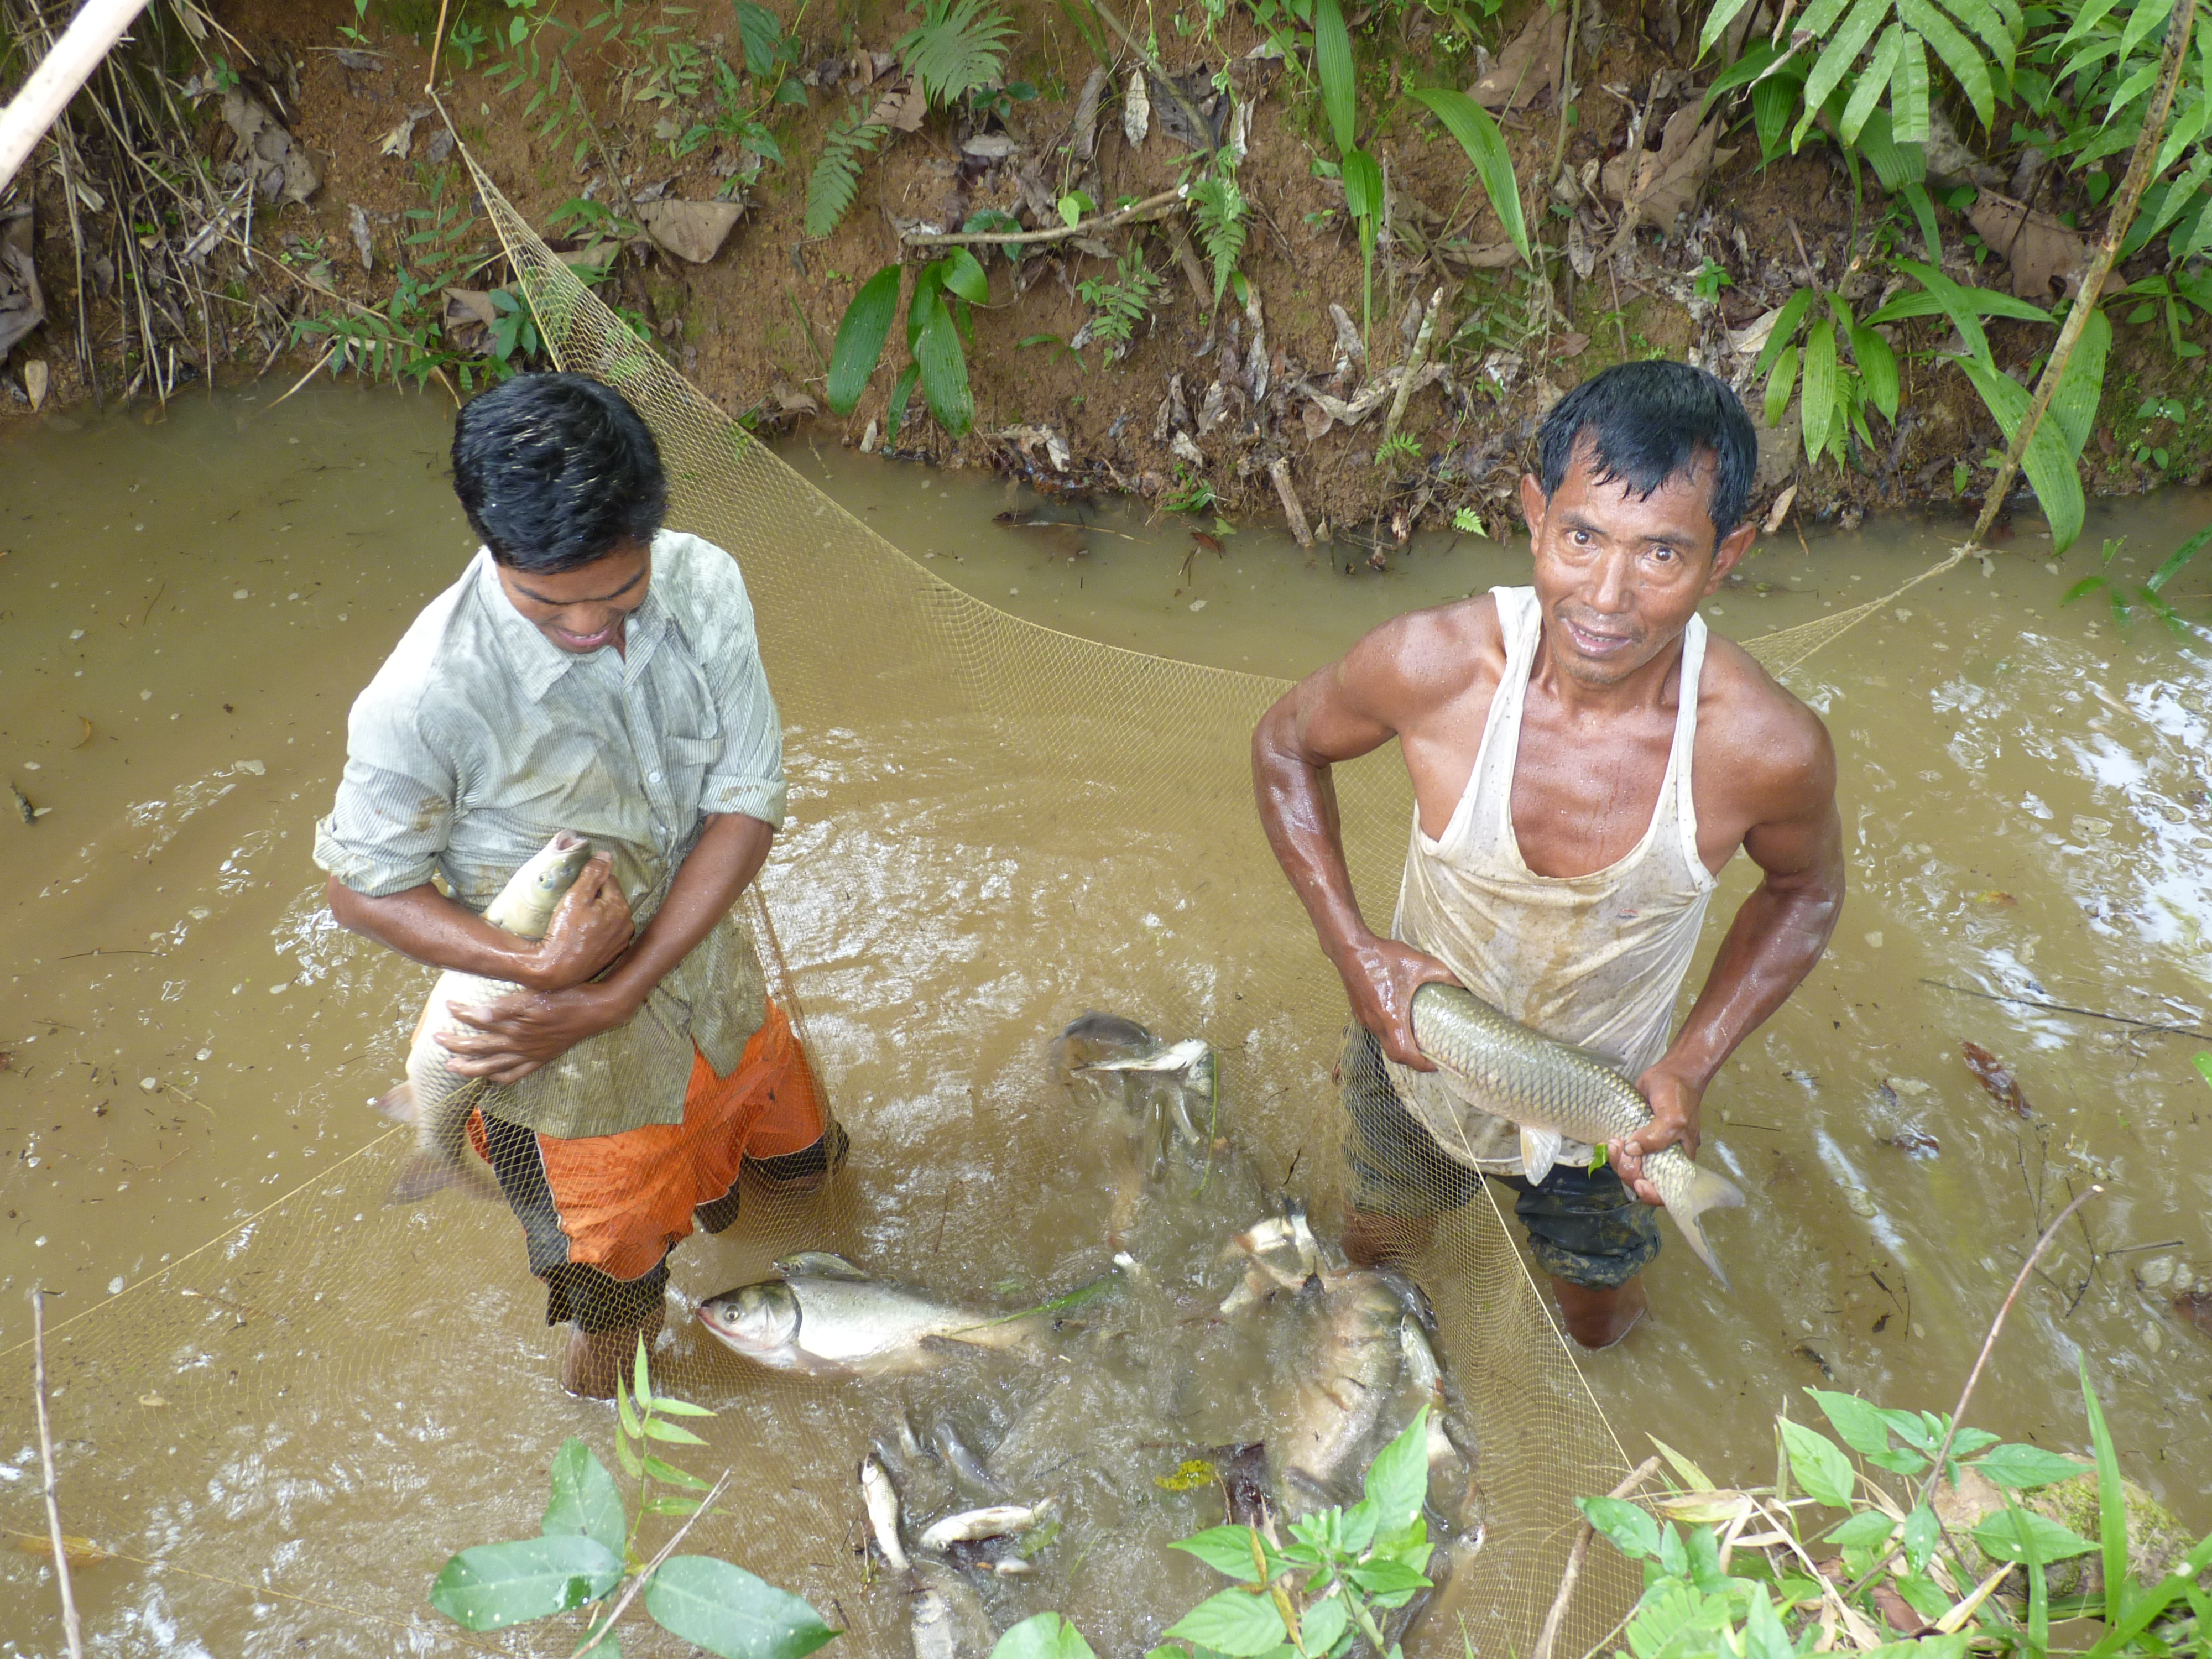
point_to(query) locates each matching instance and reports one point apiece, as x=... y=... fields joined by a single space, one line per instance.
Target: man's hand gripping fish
x=1553 y=1090
x=436 y=1099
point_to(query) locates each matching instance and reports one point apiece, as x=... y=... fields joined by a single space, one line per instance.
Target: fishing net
x=289 y=1429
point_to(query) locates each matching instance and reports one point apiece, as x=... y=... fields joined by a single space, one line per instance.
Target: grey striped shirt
x=479 y=737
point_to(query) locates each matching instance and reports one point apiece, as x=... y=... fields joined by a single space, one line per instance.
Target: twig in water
x=71 y=1628
x=143 y=620
x=2068 y=1008
x=651 y=1567
x=1549 y=1636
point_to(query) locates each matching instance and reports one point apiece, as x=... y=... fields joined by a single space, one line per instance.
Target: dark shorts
x=1588 y=1229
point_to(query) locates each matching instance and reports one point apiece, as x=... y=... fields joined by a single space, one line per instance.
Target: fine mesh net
x=292 y=1426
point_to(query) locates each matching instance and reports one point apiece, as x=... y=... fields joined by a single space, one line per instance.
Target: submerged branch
x=71 y=1628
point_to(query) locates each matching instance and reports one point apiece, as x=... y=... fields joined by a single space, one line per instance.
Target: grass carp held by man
x=436 y=1099
x=1553 y=1090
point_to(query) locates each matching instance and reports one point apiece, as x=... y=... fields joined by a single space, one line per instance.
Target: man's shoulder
x=692 y=571
x=1442 y=647
x=415 y=673
x=1767 y=739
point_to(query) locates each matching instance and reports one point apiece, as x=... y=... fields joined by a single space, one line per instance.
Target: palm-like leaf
x=959 y=47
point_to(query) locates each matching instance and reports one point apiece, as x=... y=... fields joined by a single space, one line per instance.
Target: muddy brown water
x=188 y=608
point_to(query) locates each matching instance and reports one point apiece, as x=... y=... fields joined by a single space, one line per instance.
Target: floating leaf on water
x=87 y=738
x=77 y=1551
x=1915 y=1141
x=1995 y=899
x=152 y=1401
x=1994 y=1075
x=1190 y=1474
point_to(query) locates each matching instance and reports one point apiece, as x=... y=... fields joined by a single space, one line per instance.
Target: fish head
x=760 y=1321
x=1096 y=1036
x=525 y=906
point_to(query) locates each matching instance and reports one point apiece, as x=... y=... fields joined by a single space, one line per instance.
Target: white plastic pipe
x=46 y=93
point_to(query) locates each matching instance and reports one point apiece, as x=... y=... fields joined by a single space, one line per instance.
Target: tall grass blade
x=1478 y=135
x=1333 y=66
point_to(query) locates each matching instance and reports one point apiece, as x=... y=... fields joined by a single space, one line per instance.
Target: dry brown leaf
x=467 y=305
x=903 y=107
x=34 y=382
x=87 y=738
x=1778 y=511
x=1665 y=185
x=1482 y=256
x=1994 y=1075
x=690 y=230
x=278 y=164
x=2040 y=249
x=1573 y=345
x=78 y=1551
x=1529 y=65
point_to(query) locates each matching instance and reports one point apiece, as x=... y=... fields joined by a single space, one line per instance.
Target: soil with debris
x=1274 y=405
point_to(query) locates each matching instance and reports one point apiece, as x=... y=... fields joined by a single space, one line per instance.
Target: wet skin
x=1617 y=577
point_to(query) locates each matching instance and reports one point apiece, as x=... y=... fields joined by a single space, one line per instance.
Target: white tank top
x=1596 y=960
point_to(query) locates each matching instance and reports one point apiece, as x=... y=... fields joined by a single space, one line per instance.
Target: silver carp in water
x=826 y=1317
x=1552 y=1090
x=1347 y=1382
x=436 y=1099
x=948 y=1621
x=881 y=1498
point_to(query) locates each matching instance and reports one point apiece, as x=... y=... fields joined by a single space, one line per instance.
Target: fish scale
x=1553 y=1089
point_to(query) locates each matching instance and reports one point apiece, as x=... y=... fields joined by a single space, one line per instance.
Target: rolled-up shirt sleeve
x=394 y=811
x=746 y=775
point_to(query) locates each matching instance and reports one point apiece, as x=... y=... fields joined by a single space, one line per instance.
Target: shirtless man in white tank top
x=1585 y=757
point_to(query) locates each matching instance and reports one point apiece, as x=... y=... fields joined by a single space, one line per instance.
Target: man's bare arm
x=592 y=924
x=1776 y=938
x=514 y=1036
x=1336 y=714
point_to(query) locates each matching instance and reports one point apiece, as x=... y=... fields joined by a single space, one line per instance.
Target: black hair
x=1651 y=422
x=555 y=471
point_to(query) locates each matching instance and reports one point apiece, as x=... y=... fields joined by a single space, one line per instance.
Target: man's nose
x=1610 y=594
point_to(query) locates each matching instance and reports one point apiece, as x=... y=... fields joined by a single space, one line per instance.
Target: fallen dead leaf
x=2195 y=1307
x=1664 y=185
x=789 y=400
x=2039 y=250
x=690 y=230
x=1573 y=345
x=1480 y=256
x=1994 y=1075
x=1529 y=65
x=468 y=304
x=77 y=1551
x=87 y=738
x=34 y=382
x=1778 y=511
x=903 y=107
x=357 y=227
x=1136 y=111
x=278 y=164
x=1995 y=899
x=152 y=1401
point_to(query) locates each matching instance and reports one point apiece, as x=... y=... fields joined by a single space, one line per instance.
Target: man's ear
x=1730 y=553
x=1533 y=506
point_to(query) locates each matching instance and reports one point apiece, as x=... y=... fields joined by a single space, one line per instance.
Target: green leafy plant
x=959 y=47
x=1710 y=279
x=936 y=319
x=1223 y=217
x=837 y=176
x=1478 y=135
x=1399 y=446
x=1120 y=303
x=1732 y=1573
x=1193 y=492
x=1837 y=388
x=2151 y=595
x=1467 y=522
x=354 y=31
x=588 y=1556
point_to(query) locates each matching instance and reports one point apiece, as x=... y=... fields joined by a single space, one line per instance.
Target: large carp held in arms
x=1552 y=1090
x=437 y=1099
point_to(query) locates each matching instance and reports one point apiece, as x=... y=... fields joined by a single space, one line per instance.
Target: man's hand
x=1673 y=1100
x=512 y=1037
x=1381 y=975
x=590 y=929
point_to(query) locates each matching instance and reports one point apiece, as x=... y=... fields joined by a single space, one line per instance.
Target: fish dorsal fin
x=1540 y=1150
x=818 y=1264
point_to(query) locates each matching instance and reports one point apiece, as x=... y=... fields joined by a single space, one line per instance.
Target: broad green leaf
x=1969 y=301
x=1819 y=409
x=1398 y=1479
x=944 y=368
x=1965 y=308
x=1878 y=369
x=2049 y=466
x=1228 y=1551
x=1757 y=58
x=669 y=1433
x=1238 y=1623
x=2111 y=1496
x=2153 y=1602
x=964 y=276
x=1764 y=1638
x=2023 y=1468
x=1333 y=67
x=1779 y=385
x=2085 y=19
x=1785 y=328
x=1908 y=91
x=670 y=1505
x=728 y=1611
x=642 y=1386
x=1628 y=1526
x=1045 y=1635
x=762 y=34
x=1923 y=214
x=668 y=1407
x=2008 y=1535
x=2147 y=15
x=1717 y=22
x=1873 y=81
x=627 y=1457
x=1478 y=135
x=1323 y=1623
x=1899 y=166
x=1960 y=55
x=623 y=1411
x=2164 y=574
x=902 y=395
x=1819 y=17
x=496 y=1585
x=1362 y=185
x=1995 y=30
x=1356 y=1527
x=2074 y=405
x=1858 y=1422
x=1837 y=57
x=585 y=1499
x=1817 y=1462
x=1869 y=1529
x=1773 y=104
x=674 y=1476
x=1386 y=1577
x=1922 y=1532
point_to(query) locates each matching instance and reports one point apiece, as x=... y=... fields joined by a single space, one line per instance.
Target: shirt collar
x=534 y=661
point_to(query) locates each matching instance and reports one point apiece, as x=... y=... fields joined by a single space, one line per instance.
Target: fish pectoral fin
x=398 y=1105
x=425 y=1173
x=1540 y=1150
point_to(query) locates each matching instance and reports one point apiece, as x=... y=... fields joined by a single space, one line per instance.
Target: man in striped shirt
x=594 y=672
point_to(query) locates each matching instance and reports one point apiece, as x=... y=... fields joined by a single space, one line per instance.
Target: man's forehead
x=1682 y=500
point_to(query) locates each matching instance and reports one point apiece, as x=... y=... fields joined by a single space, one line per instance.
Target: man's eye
x=1582 y=539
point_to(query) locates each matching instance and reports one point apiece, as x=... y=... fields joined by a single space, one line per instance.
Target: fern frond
x=958 y=48
x=1221 y=211
x=837 y=176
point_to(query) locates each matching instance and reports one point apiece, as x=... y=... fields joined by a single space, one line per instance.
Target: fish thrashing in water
x=1554 y=1092
x=435 y=1098
x=1240 y=1360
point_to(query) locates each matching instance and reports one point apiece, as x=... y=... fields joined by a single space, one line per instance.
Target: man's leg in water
x=1400 y=1180
x=1594 y=1237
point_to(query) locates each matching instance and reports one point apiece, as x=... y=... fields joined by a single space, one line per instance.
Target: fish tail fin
x=398 y=1105
x=1709 y=1190
x=425 y=1173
